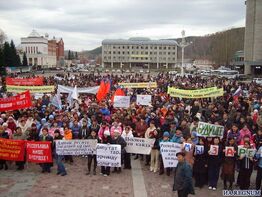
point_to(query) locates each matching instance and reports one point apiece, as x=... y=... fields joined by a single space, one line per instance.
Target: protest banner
x=20 y=101
x=37 y=81
x=187 y=147
x=76 y=147
x=139 y=85
x=168 y=152
x=86 y=90
x=143 y=100
x=213 y=150
x=230 y=151
x=199 y=149
x=201 y=93
x=32 y=89
x=12 y=149
x=139 y=145
x=108 y=155
x=209 y=130
x=121 y=101
x=39 y=152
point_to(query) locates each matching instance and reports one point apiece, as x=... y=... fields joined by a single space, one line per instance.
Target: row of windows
x=140 y=47
x=31 y=50
x=138 y=58
x=142 y=52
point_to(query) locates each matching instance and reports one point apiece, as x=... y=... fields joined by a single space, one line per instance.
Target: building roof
x=138 y=41
x=34 y=34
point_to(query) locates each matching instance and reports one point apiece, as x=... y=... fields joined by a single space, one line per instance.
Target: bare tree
x=3 y=37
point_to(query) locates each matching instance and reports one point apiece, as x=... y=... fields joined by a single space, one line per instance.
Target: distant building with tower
x=42 y=51
x=253 y=38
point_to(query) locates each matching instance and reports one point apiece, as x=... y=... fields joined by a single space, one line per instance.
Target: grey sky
x=83 y=24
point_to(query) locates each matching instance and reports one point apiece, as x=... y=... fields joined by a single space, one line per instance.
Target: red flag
x=101 y=93
x=118 y=92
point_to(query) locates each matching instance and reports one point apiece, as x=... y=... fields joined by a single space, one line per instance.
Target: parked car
x=118 y=71
x=258 y=80
x=141 y=71
x=127 y=71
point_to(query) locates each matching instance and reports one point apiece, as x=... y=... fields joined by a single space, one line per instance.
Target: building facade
x=40 y=50
x=60 y=55
x=139 y=52
x=253 y=37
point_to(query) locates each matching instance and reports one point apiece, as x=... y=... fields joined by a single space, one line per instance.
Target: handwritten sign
x=12 y=149
x=139 y=145
x=122 y=101
x=76 y=147
x=168 y=152
x=143 y=99
x=108 y=155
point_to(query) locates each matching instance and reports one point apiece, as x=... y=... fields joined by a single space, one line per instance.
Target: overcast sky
x=83 y=24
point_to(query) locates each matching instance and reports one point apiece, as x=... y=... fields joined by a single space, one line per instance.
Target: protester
x=59 y=158
x=164 y=139
x=246 y=168
x=46 y=167
x=183 y=183
x=105 y=139
x=117 y=139
x=228 y=165
x=200 y=164
x=92 y=157
x=214 y=163
x=127 y=133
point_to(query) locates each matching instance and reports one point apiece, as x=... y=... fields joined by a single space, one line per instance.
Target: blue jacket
x=176 y=139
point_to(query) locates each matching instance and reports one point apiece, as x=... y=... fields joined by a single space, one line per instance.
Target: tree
x=15 y=57
x=76 y=55
x=69 y=55
x=25 y=63
x=2 y=37
x=7 y=55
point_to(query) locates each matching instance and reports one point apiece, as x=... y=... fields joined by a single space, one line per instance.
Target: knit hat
x=166 y=134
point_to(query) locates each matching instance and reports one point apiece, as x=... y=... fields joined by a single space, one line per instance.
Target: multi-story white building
x=39 y=50
x=139 y=52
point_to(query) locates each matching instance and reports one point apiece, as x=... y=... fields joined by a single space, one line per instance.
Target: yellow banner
x=191 y=91
x=139 y=85
x=32 y=89
x=201 y=93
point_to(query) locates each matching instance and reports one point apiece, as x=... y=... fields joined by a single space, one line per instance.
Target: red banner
x=20 y=101
x=39 y=152
x=12 y=149
x=37 y=81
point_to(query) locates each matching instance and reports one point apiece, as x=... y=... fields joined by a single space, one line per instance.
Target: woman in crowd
x=92 y=157
x=106 y=139
x=229 y=163
x=164 y=139
x=152 y=133
x=46 y=167
x=214 y=163
x=59 y=158
x=19 y=135
x=127 y=133
x=245 y=168
x=200 y=163
x=68 y=135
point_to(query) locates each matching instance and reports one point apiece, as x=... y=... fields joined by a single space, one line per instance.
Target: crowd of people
x=166 y=119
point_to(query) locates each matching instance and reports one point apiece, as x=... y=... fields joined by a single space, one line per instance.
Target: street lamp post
x=183 y=44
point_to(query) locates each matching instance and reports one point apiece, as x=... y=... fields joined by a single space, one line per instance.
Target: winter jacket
x=183 y=178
